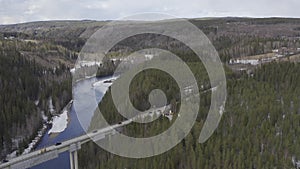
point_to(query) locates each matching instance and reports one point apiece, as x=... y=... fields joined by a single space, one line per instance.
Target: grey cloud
x=13 y=11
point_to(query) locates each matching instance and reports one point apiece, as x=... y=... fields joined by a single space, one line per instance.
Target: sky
x=18 y=11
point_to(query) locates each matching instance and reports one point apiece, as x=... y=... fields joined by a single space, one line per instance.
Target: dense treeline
x=228 y=45
x=25 y=89
x=233 y=37
x=259 y=129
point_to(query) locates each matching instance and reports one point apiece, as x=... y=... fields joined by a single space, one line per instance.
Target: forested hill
x=70 y=34
x=232 y=37
x=259 y=128
x=260 y=125
x=29 y=77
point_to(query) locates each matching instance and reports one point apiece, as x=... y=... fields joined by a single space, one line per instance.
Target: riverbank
x=85 y=78
x=60 y=122
x=46 y=124
x=33 y=142
x=103 y=85
x=78 y=117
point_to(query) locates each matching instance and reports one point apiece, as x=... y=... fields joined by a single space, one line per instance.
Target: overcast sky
x=16 y=11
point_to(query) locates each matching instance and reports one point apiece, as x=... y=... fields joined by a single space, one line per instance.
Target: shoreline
x=105 y=80
x=60 y=119
x=92 y=76
x=46 y=125
x=84 y=78
x=41 y=132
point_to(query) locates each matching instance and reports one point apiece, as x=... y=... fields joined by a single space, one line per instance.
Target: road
x=51 y=152
x=72 y=145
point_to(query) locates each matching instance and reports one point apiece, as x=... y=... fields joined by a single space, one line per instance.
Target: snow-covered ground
x=35 y=140
x=36 y=102
x=248 y=61
x=72 y=70
x=51 y=107
x=255 y=61
x=296 y=163
x=84 y=63
x=221 y=110
x=164 y=110
x=88 y=63
x=45 y=118
x=188 y=89
x=59 y=123
x=11 y=155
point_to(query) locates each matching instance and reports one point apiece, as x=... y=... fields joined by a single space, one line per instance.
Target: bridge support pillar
x=73 y=160
x=76 y=159
x=74 y=155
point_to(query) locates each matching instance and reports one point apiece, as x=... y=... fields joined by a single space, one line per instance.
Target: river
x=83 y=107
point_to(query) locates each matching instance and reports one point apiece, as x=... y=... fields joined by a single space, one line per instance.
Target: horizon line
x=191 y=18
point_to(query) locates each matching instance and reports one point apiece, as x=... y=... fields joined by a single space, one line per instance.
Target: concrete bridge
x=72 y=146
x=52 y=152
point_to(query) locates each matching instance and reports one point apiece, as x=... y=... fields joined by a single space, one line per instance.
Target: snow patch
x=88 y=63
x=221 y=110
x=51 y=107
x=35 y=140
x=214 y=89
x=36 y=102
x=45 y=118
x=188 y=89
x=59 y=123
x=12 y=155
x=248 y=61
x=72 y=70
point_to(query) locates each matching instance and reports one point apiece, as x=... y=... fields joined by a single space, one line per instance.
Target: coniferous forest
x=260 y=127
x=26 y=86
